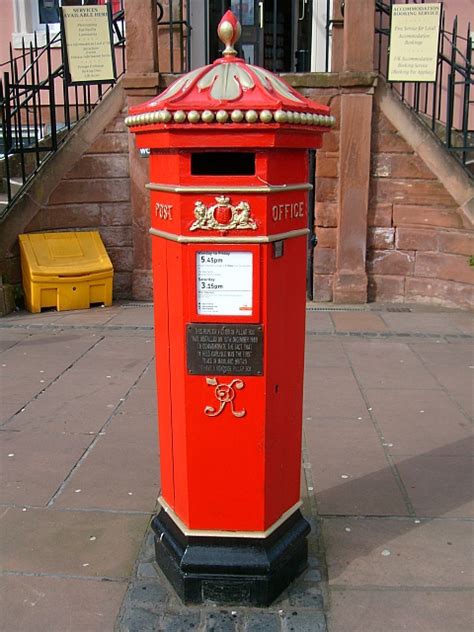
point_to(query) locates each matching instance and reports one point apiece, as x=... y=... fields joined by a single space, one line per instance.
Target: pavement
x=387 y=479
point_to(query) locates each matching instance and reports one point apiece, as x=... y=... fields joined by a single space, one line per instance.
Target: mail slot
x=229 y=203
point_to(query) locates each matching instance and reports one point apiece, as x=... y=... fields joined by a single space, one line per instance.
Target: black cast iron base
x=244 y=571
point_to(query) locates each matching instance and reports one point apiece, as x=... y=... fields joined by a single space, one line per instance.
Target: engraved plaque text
x=224 y=349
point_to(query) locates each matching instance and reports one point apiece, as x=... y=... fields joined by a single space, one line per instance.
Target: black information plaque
x=224 y=349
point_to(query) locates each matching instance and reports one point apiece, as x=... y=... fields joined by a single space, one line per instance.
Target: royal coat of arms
x=223 y=216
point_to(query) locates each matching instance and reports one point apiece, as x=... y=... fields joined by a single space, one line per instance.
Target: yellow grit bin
x=65 y=270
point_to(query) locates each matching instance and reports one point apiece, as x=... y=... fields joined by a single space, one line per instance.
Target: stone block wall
x=326 y=197
x=95 y=195
x=419 y=242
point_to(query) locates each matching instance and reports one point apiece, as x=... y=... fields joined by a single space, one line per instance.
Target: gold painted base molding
x=226 y=534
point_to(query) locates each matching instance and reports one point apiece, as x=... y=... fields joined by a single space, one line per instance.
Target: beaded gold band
x=234 y=116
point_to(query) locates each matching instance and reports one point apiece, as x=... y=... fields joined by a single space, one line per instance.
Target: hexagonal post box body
x=229 y=196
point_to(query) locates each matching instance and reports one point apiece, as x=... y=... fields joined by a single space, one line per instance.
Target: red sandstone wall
x=327 y=171
x=418 y=240
x=95 y=195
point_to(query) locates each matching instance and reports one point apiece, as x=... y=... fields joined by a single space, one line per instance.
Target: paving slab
x=30 y=367
x=135 y=316
x=52 y=316
x=441 y=485
x=350 y=470
x=82 y=399
x=120 y=472
x=464 y=322
x=457 y=381
x=445 y=353
x=322 y=354
x=319 y=321
x=397 y=531
x=94 y=316
x=71 y=543
x=35 y=464
x=140 y=401
x=8 y=410
x=43 y=344
x=53 y=604
x=74 y=404
x=148 y=379
x=358 y=322
x=21 y=391
x=422 y=323
x=395 y=552
x=9 y=339
x=86 y=414
x=401 y=610
x=387 y=364
x=141 y=427
x=333 y=392
x=24 y=319
x=416 y=421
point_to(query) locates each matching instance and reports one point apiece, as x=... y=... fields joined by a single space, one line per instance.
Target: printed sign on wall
x=88 y=43
x=414 y=37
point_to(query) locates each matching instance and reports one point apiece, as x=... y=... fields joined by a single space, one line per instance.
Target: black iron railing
x=38 y=107
x=174 y=33
x=446 y=106
x=331 y=22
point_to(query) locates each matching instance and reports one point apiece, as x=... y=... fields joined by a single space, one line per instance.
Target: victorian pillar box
x=229 y=197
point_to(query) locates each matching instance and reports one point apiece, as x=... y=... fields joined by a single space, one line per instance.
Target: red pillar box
x=229 y=197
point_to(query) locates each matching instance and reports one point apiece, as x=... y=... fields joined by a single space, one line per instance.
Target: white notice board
x=88 y=43
x=414 y=37
x=224 y=283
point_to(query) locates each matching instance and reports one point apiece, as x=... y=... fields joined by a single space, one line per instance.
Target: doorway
x=276 y=34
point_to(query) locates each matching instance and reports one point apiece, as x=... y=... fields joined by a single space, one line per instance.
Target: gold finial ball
x=229 y=31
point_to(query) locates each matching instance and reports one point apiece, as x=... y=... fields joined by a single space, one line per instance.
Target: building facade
x=393 y=206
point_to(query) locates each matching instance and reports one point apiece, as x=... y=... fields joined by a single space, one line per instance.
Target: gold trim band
x=270 y=188
x=229 y=116
x=227 y=534
x=263 y=239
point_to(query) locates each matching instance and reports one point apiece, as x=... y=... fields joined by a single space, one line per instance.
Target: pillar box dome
x=231 y=92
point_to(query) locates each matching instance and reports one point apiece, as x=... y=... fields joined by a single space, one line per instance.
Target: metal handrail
x=31 y=101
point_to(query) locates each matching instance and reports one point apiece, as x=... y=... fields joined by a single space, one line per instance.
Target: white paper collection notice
x=224 y=283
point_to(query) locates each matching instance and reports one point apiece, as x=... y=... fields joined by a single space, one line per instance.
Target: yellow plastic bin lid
x=65 y=254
